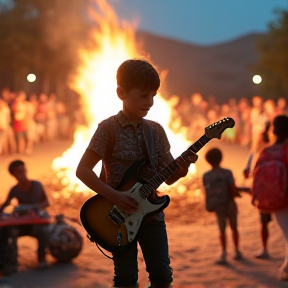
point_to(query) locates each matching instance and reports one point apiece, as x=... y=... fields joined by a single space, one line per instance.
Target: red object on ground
x=13 y=220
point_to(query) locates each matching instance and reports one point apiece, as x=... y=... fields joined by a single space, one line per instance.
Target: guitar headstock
x=216 y=129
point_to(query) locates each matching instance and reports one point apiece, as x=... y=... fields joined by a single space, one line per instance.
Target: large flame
x=95 y=81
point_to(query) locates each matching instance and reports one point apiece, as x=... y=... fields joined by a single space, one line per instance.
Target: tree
x=43 y=37
x=272 y=64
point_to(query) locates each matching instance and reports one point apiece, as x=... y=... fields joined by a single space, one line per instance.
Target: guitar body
x=107 y=225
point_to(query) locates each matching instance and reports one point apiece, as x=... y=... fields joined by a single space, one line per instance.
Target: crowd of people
x=25 y=121
x=251 y=117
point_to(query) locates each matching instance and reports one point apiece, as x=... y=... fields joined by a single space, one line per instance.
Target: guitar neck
x=169 y=169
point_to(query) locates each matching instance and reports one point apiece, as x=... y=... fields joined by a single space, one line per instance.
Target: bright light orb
x=257 y=79
x=31 y=77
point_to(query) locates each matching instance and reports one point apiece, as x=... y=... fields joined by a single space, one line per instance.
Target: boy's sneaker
x=42 y=265
x=7 y=270
x=238 y=256
x=263 y=255
x=4 y=271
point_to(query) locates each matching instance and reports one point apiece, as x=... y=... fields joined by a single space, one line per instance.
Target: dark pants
x=265 y=218
x=4 y=247
x=152 y=239
x=38 y=231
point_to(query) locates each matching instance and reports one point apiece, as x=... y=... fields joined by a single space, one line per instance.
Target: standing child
x=270 y=176
x=265 y=218
x=138 y=83
x=220 y=191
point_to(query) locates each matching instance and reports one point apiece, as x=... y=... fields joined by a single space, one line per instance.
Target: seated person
x=31 y=199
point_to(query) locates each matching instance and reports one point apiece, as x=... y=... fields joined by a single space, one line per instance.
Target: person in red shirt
x=19 y=109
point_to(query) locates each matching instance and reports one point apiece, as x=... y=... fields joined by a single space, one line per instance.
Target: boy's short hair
x=214 y=156
x=14 y=164
x=280 y=126
x=137 y=73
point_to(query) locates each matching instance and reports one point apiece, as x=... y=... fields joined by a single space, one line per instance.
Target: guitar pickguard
x=133 y=221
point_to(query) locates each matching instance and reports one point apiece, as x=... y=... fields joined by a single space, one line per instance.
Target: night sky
x=202 y=22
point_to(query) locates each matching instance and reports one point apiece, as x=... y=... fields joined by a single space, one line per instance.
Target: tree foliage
x=272 y=64
x=41 y=37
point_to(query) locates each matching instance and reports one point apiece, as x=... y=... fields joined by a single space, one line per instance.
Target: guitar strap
x=110 y=146
x=150 y=141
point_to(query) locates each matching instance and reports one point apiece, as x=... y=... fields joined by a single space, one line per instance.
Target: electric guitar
x=112 y=228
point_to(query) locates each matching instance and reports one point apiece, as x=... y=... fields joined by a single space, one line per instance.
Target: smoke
x=65 y=24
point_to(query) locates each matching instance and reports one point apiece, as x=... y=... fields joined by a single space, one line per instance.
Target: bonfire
x=95 y=82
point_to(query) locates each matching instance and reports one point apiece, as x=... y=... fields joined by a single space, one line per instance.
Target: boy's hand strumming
x=125 y=202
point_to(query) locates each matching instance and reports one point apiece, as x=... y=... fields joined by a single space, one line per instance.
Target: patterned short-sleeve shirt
x=226 y=174
x=129 y=146
x=217 y=180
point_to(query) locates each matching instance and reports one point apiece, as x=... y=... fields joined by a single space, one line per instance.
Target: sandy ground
x=194 y=244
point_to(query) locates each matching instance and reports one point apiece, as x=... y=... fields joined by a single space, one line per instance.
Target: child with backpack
x=270 y=181
x=265 y=218
x=220 y=190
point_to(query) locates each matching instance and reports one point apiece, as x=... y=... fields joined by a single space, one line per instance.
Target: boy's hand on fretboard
x=183 y=163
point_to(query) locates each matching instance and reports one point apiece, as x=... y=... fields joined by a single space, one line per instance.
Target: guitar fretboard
x=169 y=169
